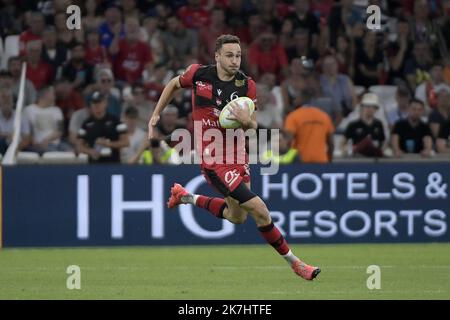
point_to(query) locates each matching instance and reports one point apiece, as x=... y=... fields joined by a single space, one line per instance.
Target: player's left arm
x=251 y=123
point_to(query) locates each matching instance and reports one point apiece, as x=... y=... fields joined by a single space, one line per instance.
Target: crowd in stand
x=386 y=92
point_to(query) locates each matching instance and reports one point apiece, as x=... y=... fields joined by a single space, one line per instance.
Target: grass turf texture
x=408 y=271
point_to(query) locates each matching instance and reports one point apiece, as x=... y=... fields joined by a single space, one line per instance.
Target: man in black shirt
x=366 y=133
x=412 y=135
x=102 y=135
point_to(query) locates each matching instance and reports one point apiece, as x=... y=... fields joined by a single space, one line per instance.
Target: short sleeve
x=187 y=78
x=251 y=92
x=121 y=128
x=289 y=124
x=330 y=125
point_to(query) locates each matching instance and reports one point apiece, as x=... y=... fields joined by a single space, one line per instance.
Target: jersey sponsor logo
x=204 y=89
x=210 y=123
x=231 y=176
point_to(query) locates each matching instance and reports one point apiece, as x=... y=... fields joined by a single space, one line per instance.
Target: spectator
x=313 y=95
x=10 y=24
x=102 y=135
x=312 y=131
x=368 y=61
x=443 y=140
x=68 y=100
x=46 y=122
x=412 y=135
x=293 y=85
x=105 y=84
x=398 y=51
x=267 y=10
x=112 y=27
x=155 y=85
x=302 y=46
x=417 y=66
x=15 y=69
x=40 y=73
x=129 y=9
x=267 y=55
x=7 y=114
x=53 y=52
x=269 y=112
x=168 y=122
x=424 y=28
x=303 y=18
x=153 y=36
x=342 y=19
x=156 y=151
x=400 y=110
x=193 y=15
x=249 y=33
x=236 y=13
x=210 y=33
x=66 y=36
x=345 y=55
x=143 y=106
x=90 y=21
x=131 y=56
x=286 y=154
x=34 y=32
x=95 y=54
x=135 y=133
x=426 y=91
x=338 y=86
x=76 y=121
x=440 y=114
x=77 y=70
x=367 y=133
x=181 y=43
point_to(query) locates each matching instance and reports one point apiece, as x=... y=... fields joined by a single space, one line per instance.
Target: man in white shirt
x=46 y=121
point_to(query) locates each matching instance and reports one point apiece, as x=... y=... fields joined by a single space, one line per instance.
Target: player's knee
x=239 y=219
x=258 y=210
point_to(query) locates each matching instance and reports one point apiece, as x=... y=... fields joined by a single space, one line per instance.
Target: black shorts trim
x=242 y=193
x=217 y=183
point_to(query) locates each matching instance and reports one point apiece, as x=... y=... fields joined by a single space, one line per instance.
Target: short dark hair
x=131 y=112
x=415 y=100
x=226 y=38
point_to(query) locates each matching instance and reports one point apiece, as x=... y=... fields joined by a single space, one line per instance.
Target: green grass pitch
x=408 y=271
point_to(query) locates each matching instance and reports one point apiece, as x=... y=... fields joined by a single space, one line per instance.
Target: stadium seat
x=83 y=158
x=386 y=94
x=337 y=140
x=26 y=157
x=11 y=48
x=59 y=157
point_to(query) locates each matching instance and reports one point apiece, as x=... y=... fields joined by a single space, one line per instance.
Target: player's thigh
x=234 y=208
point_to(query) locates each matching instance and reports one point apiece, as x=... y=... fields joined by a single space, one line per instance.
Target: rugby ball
x=242 y=102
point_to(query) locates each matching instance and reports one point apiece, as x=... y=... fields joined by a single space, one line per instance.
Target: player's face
x=228 y=58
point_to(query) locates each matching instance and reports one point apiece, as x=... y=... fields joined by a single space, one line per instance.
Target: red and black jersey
x=209 y=96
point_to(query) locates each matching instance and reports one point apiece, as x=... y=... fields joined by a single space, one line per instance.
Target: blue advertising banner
x=126 y=205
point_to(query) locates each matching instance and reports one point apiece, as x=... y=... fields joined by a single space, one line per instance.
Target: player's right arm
x=163 y=101
x=183 y=81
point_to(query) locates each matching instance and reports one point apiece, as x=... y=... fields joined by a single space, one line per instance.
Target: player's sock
x=274 y=237
x=214 y=205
